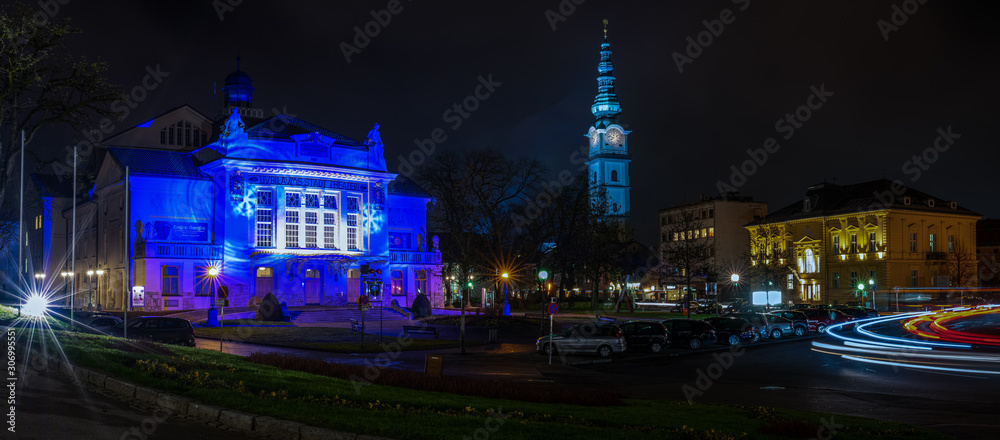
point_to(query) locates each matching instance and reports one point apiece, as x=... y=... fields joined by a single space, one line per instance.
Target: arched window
x=810 y=262
x=614 y=175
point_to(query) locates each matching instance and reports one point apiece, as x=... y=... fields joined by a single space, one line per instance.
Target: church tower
x=609 y=159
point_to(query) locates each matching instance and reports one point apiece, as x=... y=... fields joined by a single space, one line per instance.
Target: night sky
x=938 y=69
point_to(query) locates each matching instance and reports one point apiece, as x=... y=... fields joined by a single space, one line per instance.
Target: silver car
x=602 y=339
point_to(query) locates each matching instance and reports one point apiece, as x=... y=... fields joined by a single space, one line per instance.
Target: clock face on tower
x=614 y=137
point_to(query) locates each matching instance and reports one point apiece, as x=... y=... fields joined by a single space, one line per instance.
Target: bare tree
x=688 y=253
x=961 y=266
x=771 y=258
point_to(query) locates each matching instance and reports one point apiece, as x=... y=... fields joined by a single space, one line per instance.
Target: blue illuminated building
x=608 y=161
x=277 y=204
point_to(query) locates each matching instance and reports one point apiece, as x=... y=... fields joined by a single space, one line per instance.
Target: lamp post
x=506 y=304
x=213 y=313
x=735 y=278
x=99 y=272
x=90 y=293
x=66 y=286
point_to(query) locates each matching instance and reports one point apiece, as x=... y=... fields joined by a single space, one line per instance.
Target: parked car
x=650 y=334
x=859 y=312
x=820 y=319
x=732 y=330
x=602 y=339
x=101 y=324
x=854 y=312
x=690 y=332
x=800 y=322
x=767 y=325
x=162 y=329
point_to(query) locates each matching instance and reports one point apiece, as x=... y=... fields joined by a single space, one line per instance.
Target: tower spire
x=606 y=105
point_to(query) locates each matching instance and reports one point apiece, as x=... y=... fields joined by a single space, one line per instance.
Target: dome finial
x=605 y=28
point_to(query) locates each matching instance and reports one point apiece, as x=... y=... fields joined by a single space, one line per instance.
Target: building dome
x=238 y=90
x=239 y=78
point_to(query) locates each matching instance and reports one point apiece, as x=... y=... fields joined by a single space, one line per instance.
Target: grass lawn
x=318 y=338
x=233 y=382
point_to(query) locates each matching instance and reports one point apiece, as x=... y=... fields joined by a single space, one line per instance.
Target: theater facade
x=275 y=205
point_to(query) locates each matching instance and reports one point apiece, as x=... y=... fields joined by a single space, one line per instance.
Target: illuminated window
x=171 y=279
x=352 y=232
x=854 y=243
x=836 y=244
x=810 y=262
x=264 y=197
x=312 y=200
x=310 y=236
x=951 y=244
x=291 y=229
x=871 y=242
x=711 y=231
x=421 y=279
x=264 y=227
x=913 y=242
x=330 y=230
x=310 y=229
x=330 y=202
x=202 y=281
x=293 y=200
x=397 y=283
x=933 y=242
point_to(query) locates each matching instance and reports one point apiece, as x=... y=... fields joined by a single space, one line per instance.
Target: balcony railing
x=207 y=251
x=414 y=257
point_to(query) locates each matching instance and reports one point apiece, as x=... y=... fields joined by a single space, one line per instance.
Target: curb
x=271 y=427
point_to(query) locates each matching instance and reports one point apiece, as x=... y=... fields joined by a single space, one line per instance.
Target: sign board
x=223 y=292
x=553 y=309
x=770 y=298
x=222 y=303
x=138 y=296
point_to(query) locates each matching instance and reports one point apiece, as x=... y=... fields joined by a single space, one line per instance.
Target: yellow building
x=819 y=249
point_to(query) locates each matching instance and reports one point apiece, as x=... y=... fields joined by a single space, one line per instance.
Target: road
x=786 y=373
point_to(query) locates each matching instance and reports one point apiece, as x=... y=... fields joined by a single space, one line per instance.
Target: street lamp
x=66 y=285
x=90 y=284
x=99 y=272
x=506 y=305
